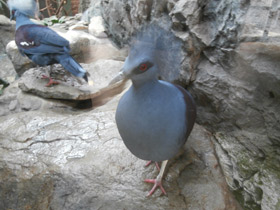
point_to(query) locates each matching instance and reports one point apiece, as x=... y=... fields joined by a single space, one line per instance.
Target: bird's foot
x=45 y=77
x=149 y=163
x=157 y=183
x=51 y=81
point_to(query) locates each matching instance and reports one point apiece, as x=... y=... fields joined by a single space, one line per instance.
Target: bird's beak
x=121 y=76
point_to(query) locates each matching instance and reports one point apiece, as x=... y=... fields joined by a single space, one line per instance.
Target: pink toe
x=156 y=185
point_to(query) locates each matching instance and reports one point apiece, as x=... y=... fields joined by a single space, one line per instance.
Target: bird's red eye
x=143 y=67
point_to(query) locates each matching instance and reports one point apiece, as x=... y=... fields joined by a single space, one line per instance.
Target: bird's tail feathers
x=71 y=65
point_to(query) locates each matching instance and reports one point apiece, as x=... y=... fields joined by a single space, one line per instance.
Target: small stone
x=25 y=105
x=13 y=105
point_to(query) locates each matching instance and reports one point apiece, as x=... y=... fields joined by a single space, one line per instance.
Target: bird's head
x=154 y=52
x=13 y=14
x=140 y=65
x=26 y=7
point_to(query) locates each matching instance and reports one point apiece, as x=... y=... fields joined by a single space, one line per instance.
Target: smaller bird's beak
x=119 y=77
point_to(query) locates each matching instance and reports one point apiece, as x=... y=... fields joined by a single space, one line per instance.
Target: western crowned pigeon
x=154 y=117
x=39 y=43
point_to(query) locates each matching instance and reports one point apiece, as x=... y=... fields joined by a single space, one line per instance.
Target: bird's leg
x=48 y=76
x=157 y=182
x=47 y=73
x=149 y=163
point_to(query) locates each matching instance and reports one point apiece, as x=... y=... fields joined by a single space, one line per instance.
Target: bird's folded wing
x=44 y=40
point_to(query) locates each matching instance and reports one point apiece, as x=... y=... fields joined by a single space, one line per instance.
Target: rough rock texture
x=7 y=30
x=231 y=66
x=7 y=71
x=54 y=158
x=92 y=10
x=70 y=87
x=84 y=5
x=75 y=91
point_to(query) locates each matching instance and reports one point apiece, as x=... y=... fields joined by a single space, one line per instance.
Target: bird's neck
x=142 y=84
x=22 y=19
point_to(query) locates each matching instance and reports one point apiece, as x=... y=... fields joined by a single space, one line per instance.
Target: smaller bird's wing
x=37 y=39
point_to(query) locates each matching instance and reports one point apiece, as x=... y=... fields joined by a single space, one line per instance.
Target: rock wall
x=84 y=5
x=231 y=65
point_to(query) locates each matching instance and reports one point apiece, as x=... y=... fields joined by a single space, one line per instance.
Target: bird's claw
x=157 y=183
x=51 y=81
x=149 y=163
x=45 y=77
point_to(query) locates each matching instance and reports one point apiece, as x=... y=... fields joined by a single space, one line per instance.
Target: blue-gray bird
x=154 y=117
x=39 y=43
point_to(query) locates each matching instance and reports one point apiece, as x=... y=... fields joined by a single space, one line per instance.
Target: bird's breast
x=152 y=123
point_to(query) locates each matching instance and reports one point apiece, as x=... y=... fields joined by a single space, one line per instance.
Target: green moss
x=246 y=205
x=247 y=166
x=278 y=204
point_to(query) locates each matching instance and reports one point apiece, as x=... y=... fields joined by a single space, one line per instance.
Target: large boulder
x=70 y=87
x=231 y=66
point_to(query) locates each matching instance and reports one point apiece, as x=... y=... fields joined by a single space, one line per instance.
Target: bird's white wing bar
x=27 y=43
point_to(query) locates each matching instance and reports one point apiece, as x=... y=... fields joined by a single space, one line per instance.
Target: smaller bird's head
x=26 y=7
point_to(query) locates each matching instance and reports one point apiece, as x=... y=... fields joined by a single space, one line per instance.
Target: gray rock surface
x=231 y=66
x=96 y=27
x=70 y=87
x=7 y=30
x=93 y=9
x=7 y=71
x=60 y=159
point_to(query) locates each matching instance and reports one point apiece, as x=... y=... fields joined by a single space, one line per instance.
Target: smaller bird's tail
x=71 y=65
